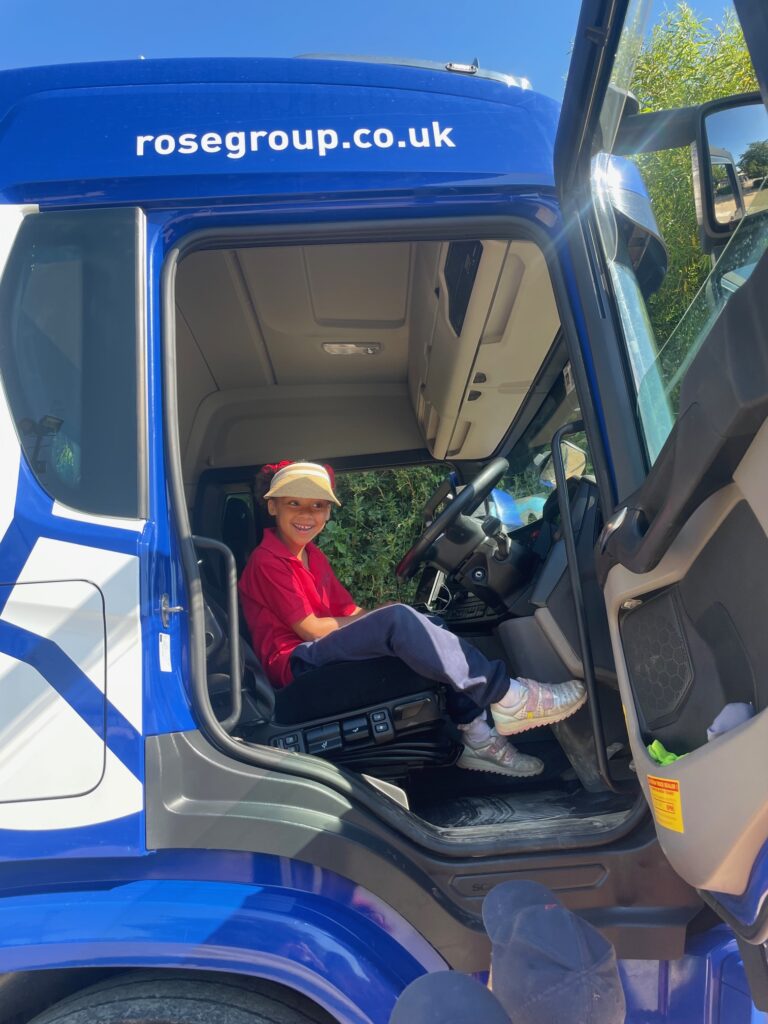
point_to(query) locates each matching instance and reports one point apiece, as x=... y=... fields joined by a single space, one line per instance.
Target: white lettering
x=188 y=143
x=327 y=139
x=237 y=143
x=234 y=143
x=441 y=135
x=424 y=137
x=165 y=144
x=211 y=142
x=308 y=143
x=278 y=140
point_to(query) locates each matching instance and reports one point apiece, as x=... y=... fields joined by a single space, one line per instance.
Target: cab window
x=664 y=323
x=379 y=519
x=519 y=498
x=69 y=355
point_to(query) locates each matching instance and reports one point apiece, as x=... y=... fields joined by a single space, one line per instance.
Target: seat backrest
x=238 y=530
x=258 y=694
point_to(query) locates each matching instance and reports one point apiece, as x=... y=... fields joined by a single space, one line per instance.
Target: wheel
x=173 y=997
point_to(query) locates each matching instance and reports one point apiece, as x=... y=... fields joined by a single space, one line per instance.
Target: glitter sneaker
x=497 y=756
x=540 y=704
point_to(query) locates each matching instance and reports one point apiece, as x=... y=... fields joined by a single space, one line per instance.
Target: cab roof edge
x=453 y=67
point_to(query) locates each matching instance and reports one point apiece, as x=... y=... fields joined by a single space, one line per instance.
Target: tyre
x=175 y=997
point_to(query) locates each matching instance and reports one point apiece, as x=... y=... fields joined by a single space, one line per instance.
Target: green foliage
x=754 y=160
x=523 y=484
x=686 y=60
x=379 y=519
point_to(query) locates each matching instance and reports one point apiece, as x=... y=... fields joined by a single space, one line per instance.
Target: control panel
x=374 y=725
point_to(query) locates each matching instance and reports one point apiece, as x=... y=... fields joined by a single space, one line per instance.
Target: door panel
x=684 y=559
x=717 y=819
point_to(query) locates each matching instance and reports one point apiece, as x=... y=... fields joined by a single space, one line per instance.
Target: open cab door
x=682 y=415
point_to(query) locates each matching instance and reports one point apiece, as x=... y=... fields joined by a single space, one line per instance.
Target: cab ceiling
x=256 y=384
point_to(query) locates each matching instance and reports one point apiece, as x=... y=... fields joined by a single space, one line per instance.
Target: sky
x=530 y=38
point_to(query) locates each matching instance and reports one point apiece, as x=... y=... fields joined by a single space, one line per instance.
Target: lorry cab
x=433 y=278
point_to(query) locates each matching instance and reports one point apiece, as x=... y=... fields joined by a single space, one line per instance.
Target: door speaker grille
x=657 y=657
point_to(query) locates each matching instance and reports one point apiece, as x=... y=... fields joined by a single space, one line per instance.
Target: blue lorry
x=208 y=265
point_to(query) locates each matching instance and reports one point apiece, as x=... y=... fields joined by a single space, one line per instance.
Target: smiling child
x=301 y=617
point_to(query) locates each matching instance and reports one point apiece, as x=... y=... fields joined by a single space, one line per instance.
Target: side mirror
x=575 y=460
x=636 y=222
x=730 y=165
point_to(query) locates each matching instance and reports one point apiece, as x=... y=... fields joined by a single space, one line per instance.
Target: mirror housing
x=722 y=190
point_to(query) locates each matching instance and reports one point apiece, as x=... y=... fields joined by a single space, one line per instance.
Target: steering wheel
x=466 y=501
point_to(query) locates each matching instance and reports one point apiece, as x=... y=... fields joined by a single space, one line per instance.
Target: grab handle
x=585 y=644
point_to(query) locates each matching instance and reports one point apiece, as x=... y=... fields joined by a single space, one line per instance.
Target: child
x=300 y=618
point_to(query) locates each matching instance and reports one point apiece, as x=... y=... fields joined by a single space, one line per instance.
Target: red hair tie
x=274 y=467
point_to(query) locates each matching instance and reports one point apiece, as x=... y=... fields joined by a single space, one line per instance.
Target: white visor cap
x=302 y=480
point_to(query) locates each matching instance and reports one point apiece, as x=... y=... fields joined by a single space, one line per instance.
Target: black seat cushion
x=344 y=687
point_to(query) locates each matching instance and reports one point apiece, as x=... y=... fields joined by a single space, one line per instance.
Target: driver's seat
x=377 y=716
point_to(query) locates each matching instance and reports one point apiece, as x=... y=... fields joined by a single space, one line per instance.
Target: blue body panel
x=90 y=116
x=34 y=519
x=706 y=986
x=263 y=916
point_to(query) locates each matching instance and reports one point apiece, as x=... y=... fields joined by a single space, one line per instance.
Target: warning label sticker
x=667 y=805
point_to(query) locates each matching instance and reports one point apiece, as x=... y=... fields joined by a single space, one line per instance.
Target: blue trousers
x=424 y=645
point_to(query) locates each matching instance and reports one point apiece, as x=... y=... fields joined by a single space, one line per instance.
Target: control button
x=324 y=738
x=382 y=726
x=292 y=746
x=291 y=740
x=277 y=742
x=355 y=729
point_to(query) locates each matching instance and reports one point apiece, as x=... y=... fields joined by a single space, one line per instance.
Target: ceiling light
x=352 y=348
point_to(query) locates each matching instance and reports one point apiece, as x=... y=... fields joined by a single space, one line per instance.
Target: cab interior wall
x=254 y=382
x=252 y=324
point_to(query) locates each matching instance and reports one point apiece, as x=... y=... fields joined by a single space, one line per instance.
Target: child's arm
x=314 y=627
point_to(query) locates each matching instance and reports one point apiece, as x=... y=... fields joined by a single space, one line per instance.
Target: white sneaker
x=540 y=704
x=500 y=757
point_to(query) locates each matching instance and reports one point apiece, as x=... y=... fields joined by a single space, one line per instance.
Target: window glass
x=68 y=355
x=661 y=384
x=669 y=280
x=379 y=519
x=519 y=498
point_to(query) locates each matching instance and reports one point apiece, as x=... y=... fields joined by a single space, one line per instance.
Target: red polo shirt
x=276 y=589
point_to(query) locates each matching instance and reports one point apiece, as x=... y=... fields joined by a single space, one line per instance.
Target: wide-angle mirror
x=736 y=140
